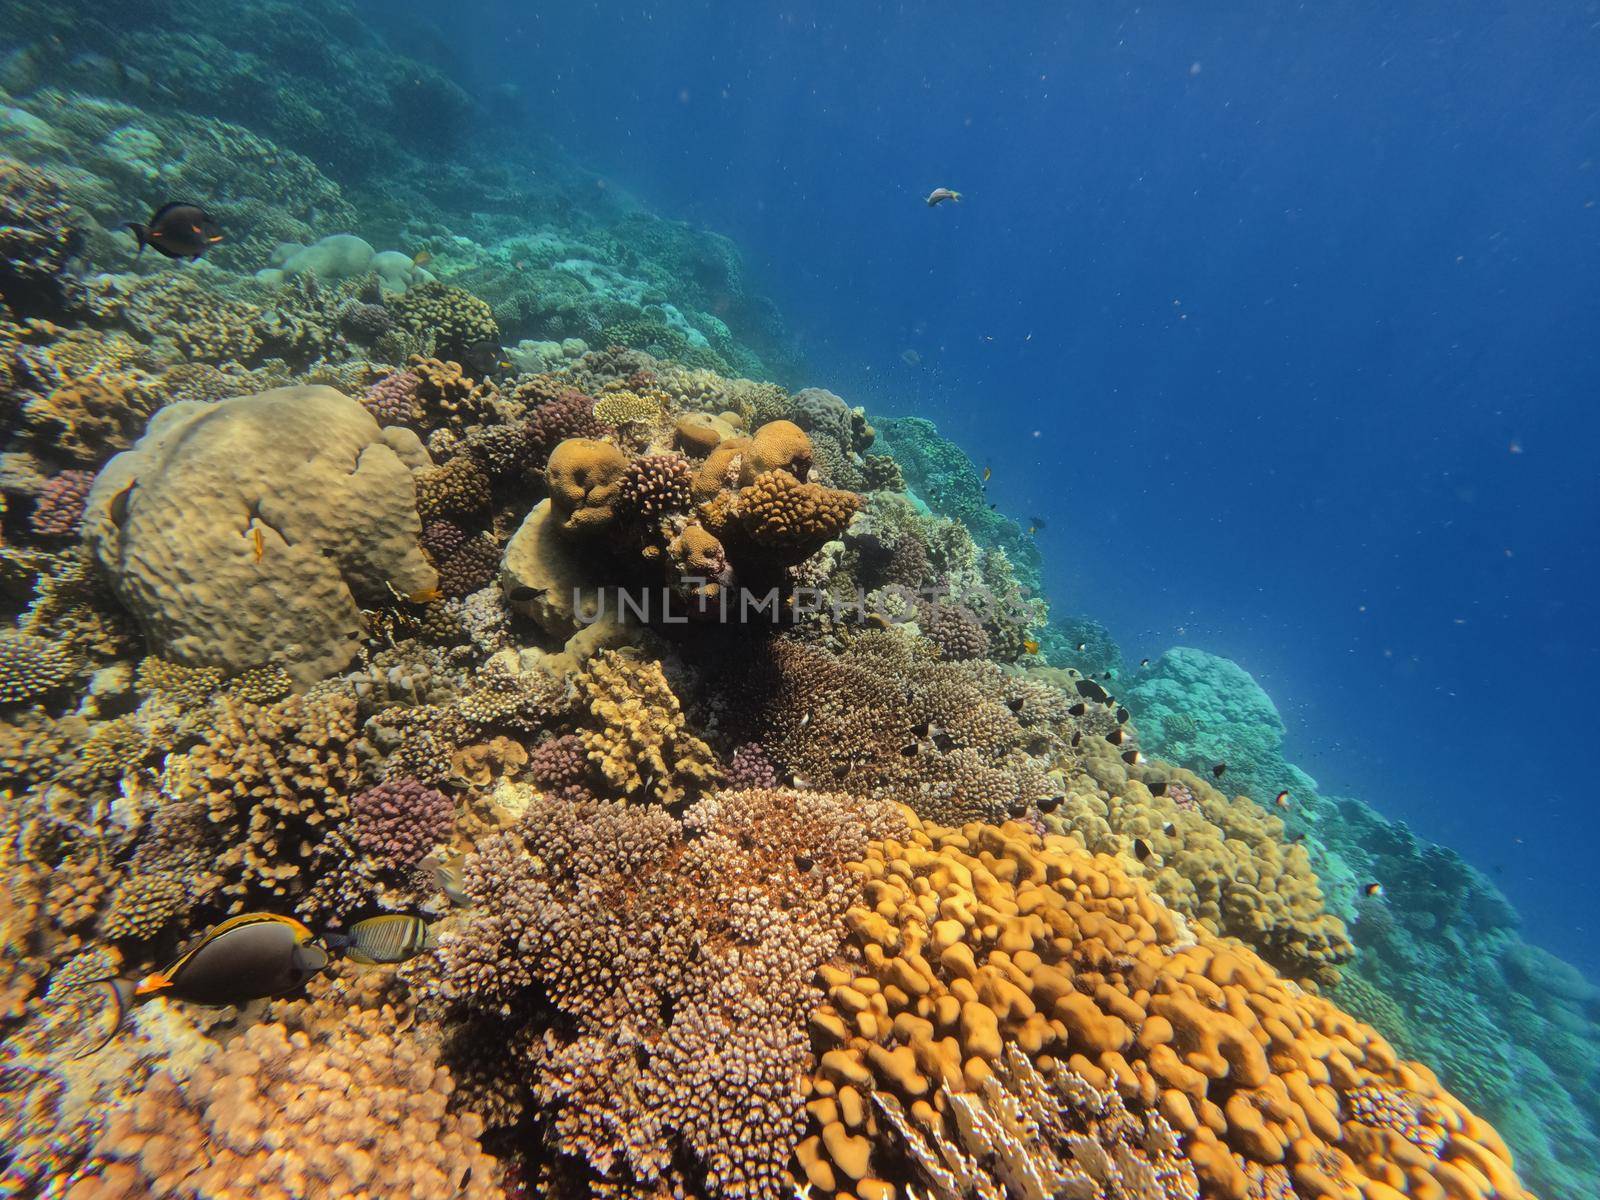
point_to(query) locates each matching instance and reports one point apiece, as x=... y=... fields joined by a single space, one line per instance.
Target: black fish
x=1015 y=704
x=920 y=729
x=1141 y=849
x=1076 y=738
x=1116 y=737
x=1078 y=709
x=944 y=741
x=1169 y=829
x=1050 y=803
x=177 y=230
x=1144 y=662
x=390 y=938
x=909 y=750
x=248 y=957
x=1122 y=715
x=1082 y=646
x=1132 y=757
x=1218 y=771
x=485 y=359
x=1158 y=789
x=1373 y=890
x=524 y=595
x=1091 y=690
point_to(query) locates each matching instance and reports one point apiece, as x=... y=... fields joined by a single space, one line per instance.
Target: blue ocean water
x=1282 y=318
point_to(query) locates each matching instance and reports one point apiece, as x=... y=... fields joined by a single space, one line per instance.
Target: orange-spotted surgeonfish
x=177 y=230
x=248 y=957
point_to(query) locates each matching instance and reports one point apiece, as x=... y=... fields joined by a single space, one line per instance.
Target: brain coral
x=250 y=532
x=585 y=479
x=967 y=941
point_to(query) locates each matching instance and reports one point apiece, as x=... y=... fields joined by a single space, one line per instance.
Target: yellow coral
x=585 y=477
x=1221 y=861
x=972 y=940
x=737 y=461
x=622 y=407
x=790 y=521
x=643 y=743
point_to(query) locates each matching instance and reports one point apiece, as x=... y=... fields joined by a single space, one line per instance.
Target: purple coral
x=751 y=767
x=1181 y=795
x=393 y=399
x=400 y=820
x=560 y=767
x=570 y=415
x=58 y=512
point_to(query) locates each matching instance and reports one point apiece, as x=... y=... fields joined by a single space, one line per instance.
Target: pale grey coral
x=249 y=532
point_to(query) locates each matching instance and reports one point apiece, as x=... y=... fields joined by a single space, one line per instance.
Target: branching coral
x=400 y=820
x=456 y=318
x=275 y=781
x=291 y=1109
x=680 y=958
x=31 y=668
x=58 y=509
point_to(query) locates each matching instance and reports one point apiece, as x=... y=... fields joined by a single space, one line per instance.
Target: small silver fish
x=940 y=194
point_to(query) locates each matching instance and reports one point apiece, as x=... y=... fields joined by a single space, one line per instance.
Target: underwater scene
x=786 y=601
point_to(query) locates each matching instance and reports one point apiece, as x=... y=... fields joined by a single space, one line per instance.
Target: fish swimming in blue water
x=940 y=194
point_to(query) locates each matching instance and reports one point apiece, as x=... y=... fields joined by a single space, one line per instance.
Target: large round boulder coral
x=250 y=532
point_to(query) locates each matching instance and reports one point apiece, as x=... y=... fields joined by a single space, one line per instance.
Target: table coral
x=967 y=941
x=643 y=744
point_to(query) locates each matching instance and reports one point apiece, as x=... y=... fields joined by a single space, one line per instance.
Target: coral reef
x=681 y=1054
x=239 y=535
x=975 y=940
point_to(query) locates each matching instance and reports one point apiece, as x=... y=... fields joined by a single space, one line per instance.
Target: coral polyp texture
x=454 y=542
x=978 y=949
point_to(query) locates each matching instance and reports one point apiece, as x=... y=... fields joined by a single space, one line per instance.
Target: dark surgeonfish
x=177 y=230
x=248 y=957
x=485 y=360
x=389 y=938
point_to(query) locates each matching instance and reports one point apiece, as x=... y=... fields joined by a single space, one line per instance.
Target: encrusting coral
x=643 y=744
x=970 y=941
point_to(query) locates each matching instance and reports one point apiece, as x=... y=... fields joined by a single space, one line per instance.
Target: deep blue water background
x=1287 y=320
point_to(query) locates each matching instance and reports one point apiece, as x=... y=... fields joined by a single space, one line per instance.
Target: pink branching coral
x=682 y=959
x=653 y=486
x=58 y=511
x=393 y=399
x=400 y=820
x=751 y=767
x=560 y=766
x=571 y=415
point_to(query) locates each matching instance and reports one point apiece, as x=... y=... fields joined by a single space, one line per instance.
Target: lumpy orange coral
x=971 y=940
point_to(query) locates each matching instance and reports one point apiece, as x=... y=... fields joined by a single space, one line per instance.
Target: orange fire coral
x=974 y=939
